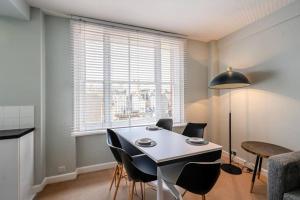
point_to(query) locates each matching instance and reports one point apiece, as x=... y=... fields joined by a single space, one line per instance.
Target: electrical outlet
x=61 y=169
x=233 y=152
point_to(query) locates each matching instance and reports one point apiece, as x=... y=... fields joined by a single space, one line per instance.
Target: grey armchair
x=284 y=177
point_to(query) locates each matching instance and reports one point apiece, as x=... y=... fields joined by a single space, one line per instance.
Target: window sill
x=102 y=132
x=86 y=133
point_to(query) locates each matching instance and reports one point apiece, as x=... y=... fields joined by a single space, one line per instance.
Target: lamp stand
x=229 y=167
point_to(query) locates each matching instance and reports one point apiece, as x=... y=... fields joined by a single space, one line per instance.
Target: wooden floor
x=95 y=186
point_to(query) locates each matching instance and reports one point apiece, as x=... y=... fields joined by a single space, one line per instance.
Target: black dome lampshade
x=229 y=80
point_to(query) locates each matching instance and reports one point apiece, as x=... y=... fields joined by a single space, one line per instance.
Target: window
x=124 y=77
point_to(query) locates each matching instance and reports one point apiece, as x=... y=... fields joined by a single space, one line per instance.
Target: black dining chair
x=194 y=130
x=165 y=124
x=140 y=169
x=196 y=177
x=114 y=144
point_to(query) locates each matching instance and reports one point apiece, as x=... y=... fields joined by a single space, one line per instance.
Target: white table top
x=170 y=145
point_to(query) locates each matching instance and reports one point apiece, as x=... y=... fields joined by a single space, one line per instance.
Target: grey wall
x=196 y=83
x=92 y=150
x=21 y=73
x=15 y=8
x=65 y=150
x=269 y=110
x=60 y=145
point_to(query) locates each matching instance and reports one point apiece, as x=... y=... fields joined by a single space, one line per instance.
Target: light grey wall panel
x=15 y=8
x=195 y=92
x=60 y=145
x=92 y=150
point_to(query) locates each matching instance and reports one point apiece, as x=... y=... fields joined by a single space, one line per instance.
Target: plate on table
x=196 y=141
x=145 y=142
x=152 y=128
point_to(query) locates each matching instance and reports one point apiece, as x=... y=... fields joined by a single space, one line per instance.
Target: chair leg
x=142 y=191
x=132 y=190
x=129 y=187
x=117 y=174
x=118 y=184
x=114 y=177
x=135 y=190
x=203 y=197
x=174 y=191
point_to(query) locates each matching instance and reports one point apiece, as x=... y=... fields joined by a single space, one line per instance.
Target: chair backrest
x=199 y=177
x=132 y=171
x=113 y=138
x=114 y=145
x=194 y=130
x=165 y=124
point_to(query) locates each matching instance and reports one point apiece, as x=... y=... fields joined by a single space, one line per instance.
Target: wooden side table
x=261 y=150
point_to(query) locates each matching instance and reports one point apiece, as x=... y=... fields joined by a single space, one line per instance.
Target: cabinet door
x=9 y=168
x=26 y=166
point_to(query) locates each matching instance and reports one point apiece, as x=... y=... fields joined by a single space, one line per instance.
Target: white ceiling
x=204 y=20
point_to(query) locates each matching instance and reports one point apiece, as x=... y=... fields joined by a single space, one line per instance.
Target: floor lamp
x=230 y=80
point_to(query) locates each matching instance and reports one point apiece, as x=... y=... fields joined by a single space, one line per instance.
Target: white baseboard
x=72 y=175
x=94 y=168
x=38 y=188
x=61 y=178
x=245 y=163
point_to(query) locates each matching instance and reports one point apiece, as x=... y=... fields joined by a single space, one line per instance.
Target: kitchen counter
x=14 y=133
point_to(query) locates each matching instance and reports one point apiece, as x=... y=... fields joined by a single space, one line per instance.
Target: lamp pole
x=230 y=153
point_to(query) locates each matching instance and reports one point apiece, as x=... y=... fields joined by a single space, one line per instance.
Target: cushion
x=293 y=195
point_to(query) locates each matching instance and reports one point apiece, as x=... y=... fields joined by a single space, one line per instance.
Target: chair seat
x=171 y=172
x=293 y=195
x=146 y=165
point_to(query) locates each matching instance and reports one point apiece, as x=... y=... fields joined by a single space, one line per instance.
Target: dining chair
x=194 y=130
x=165 y=124
x=196 y=177
x=114 y=144
x=139 y=168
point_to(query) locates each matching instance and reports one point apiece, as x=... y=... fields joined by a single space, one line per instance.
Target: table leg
x=259 y=167
x=159 y=192
x=174 y=191
x=254 y=173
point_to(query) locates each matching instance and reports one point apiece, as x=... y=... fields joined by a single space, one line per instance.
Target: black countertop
x=14 y=133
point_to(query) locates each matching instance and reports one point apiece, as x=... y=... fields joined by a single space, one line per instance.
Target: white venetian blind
x=124 y=77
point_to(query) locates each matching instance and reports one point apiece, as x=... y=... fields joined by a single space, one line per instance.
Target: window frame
x=107 y=84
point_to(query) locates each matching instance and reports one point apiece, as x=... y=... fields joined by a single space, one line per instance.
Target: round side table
x=261 y=150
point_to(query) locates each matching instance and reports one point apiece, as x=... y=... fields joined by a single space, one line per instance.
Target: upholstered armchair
x=284 y=177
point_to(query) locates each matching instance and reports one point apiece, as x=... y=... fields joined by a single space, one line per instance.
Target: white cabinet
x=16 y=168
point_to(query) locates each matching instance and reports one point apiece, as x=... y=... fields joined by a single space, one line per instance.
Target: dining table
x=169 y=148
